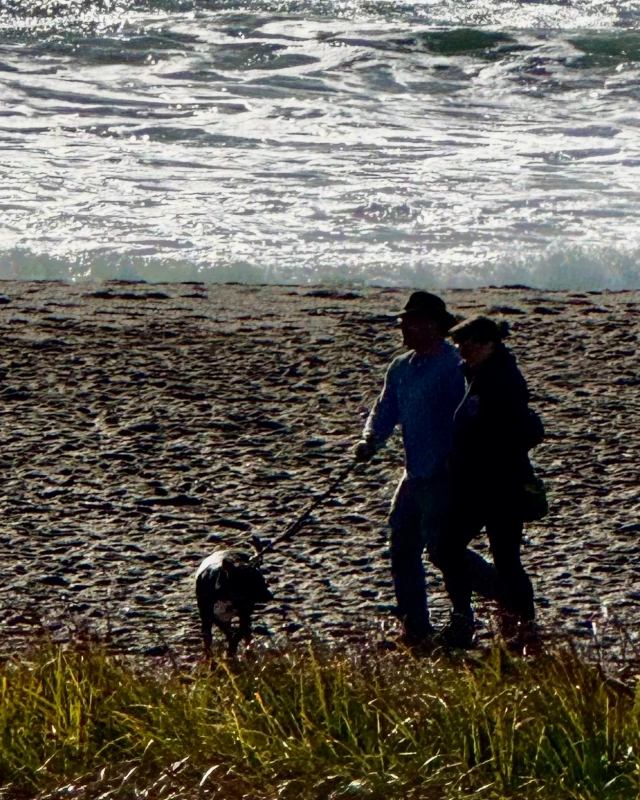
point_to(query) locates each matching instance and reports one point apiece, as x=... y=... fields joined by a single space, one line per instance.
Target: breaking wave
x=576 y=268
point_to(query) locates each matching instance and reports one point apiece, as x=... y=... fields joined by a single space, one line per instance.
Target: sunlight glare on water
x=438 y=143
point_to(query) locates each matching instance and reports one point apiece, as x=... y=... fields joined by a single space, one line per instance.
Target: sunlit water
x=442 y=143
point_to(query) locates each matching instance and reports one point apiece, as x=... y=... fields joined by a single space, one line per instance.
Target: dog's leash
x=295 y=526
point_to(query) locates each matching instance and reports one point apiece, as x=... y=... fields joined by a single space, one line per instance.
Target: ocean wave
x=441 y=144
x=573 y=268
x=59 y=15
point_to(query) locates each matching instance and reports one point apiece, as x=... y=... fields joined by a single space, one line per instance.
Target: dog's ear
x=222 y=579
x=227 y=565
x=256 y=543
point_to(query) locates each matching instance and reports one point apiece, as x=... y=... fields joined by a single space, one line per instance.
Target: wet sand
x=145 y=425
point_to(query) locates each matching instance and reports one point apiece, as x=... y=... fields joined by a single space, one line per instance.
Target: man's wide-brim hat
x=430 y=306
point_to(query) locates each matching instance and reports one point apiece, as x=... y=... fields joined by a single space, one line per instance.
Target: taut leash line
x=298 y=523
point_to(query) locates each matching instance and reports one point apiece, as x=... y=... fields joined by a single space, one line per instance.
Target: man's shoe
x=459 y=634
x=414 y=639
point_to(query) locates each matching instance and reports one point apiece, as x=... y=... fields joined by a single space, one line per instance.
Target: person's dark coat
x=492 y=434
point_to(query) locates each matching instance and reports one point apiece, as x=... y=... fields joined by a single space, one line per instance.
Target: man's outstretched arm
x=381 y=421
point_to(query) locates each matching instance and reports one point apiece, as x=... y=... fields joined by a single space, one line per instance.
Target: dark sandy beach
x=145 y=425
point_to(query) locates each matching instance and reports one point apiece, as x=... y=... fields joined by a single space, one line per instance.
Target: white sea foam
x=440 y=144
x=577 y=268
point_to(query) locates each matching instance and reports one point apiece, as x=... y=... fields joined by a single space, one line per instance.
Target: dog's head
x=245 y=581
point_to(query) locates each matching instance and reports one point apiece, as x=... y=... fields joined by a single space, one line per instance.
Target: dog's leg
x=244 y=631
x=231 y=635
x=234 y=641
x=205 y=607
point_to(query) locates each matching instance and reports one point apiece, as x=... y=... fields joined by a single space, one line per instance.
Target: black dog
x=228 y=585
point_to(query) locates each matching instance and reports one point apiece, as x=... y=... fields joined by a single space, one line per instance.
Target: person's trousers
x=505 y=539
x=419 y=519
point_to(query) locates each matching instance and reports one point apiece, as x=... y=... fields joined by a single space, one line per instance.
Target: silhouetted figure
x=492 y=434
x=422 y=390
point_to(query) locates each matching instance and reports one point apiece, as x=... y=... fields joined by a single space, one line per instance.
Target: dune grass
x=315 y=724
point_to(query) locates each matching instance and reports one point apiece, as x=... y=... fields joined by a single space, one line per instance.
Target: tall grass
x=312 y=724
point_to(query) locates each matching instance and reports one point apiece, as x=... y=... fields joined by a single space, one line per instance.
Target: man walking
x=422 y=390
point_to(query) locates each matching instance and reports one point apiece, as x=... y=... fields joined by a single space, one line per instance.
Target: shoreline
x=337 y=286
x=143 y=428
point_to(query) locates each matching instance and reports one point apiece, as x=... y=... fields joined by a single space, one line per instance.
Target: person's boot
x=459 y=634
x=527 y=642
x=520 y=636
x=509 y=624
x=417 y=638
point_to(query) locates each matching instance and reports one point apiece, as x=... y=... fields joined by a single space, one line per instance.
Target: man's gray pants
x=419 y=519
